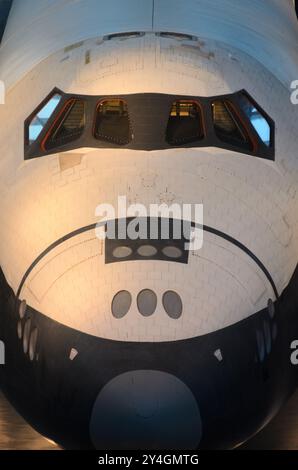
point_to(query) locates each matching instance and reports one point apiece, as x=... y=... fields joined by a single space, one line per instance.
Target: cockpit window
x=149 y=122
x=69 y=125
x=177 y=36
x=185 y=123
x=257 y=119
x=127 y=35
x=227 y=125
x=112 y=122
x=41 y=118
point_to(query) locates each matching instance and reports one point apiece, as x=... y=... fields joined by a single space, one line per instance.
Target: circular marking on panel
x=172 y=252
x=20 y=329
x=147 y=251
x=145 y=409
x=271 y=308
x=26 y=336
x=22 y=308
x=33 y=343
x=172 y=304
x=147 y=302
x=121 y=304
x=122 y=252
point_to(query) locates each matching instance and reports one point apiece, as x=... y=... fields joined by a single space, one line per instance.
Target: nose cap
x=145 y=409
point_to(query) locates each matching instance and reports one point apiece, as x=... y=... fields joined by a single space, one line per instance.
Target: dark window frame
x=100 y=102
x=240 y=123
x=202 y=122
x=176 y=36
x=30 y=118
x=124 y=35
x=149 y=129
x=60 y=118
x=260 y=150
x=266 y=117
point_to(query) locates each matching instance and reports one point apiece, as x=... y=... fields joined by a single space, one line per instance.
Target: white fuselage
x=253 y=200
x=149 y=353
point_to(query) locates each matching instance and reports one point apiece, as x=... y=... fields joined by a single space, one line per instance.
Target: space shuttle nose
x=145 y=409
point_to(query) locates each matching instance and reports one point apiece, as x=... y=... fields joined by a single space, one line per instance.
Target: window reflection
x=256 y=118
x=41 y=118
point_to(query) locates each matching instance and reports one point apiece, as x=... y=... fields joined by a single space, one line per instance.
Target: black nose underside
x=145 y=409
